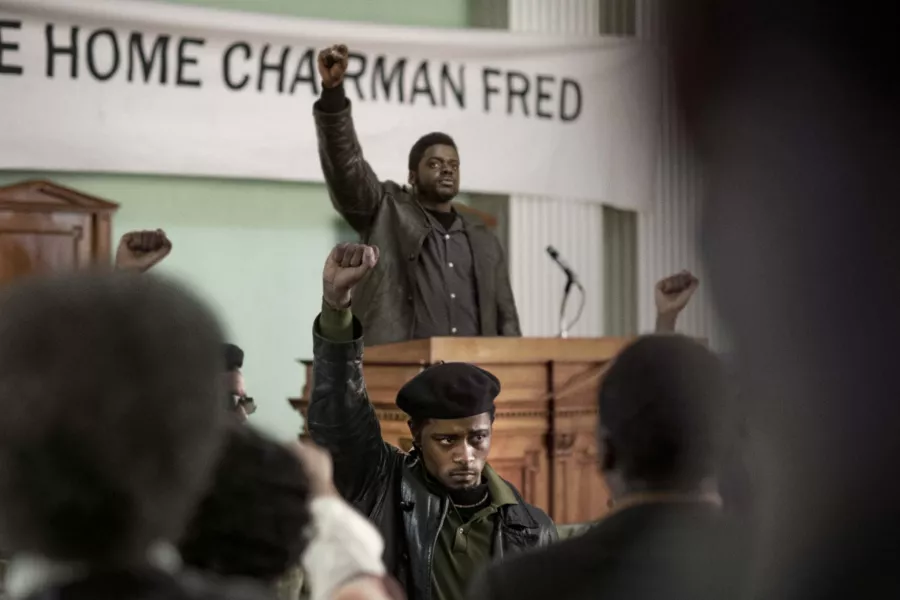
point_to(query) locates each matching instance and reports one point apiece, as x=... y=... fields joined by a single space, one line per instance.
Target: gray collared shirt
x=446 y=298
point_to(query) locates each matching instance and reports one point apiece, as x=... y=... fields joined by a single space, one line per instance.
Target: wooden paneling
x=34 y=243
x=545 y=435
x=45 y=227
x=499 y=350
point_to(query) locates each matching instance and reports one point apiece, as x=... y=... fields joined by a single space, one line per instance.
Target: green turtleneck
x=335 y=325
x=464 y=545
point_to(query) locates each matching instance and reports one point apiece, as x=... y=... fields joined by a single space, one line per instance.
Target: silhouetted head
x=110 y=387
x=254 y=521
x=661 y=407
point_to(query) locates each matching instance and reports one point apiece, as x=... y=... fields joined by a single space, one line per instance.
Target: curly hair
x=111 y=397
x=662 y=404
x=255 y=520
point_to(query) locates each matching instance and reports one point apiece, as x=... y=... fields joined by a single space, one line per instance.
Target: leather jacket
x=387 y=215
x=379 y=480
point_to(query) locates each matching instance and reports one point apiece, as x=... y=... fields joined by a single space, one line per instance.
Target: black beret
x=449 y=391
x=234 y=357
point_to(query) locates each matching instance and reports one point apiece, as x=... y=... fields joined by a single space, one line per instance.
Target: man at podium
x=444 y=513
x=440 y=274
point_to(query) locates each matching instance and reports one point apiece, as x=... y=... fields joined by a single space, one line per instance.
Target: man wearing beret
x=443 y=512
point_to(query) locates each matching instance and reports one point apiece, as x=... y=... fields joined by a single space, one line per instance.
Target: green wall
x=428 y=13
x=254 y=249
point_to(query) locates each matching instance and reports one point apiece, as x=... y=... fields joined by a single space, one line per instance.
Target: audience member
x=661 y=405
x=255 y=521
x=344 y=556
x=443 y=511
x=140 y=251
x=112 y=423
x=444 y=274
x=672 y=296
x=736 y=469
x=792 y=108
x=238 y=401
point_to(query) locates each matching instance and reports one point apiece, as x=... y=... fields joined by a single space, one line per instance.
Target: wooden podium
x=545 y=435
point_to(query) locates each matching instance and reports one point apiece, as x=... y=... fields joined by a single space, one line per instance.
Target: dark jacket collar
x=515 y=515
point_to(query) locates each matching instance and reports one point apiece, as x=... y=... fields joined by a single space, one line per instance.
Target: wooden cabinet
x=46 y=227
x=545 y=435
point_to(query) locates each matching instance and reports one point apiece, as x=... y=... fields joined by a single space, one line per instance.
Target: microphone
x=554 y=254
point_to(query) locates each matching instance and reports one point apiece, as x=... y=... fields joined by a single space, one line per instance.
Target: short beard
x=432 y=196
x=441 y=199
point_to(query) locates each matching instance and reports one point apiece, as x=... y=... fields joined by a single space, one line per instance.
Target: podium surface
x=545 y=434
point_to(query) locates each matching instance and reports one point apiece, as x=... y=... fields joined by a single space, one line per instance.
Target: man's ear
x=411 y=179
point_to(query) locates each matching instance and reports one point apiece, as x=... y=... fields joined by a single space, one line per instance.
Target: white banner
x=144 y=87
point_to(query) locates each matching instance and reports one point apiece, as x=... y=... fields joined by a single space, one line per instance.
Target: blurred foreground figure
x=661 y=413
x=254 y=523
x=269 y=506
x=793 y=110
x=343 y=558
x=112 y=419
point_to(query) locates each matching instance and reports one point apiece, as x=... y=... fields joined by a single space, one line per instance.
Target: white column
x=668 y=234
x=574 y=228
x=578 y=17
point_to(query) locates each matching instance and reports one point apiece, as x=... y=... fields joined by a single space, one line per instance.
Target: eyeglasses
x=245 y=402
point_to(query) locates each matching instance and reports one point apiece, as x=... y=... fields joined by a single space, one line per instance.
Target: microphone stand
x=563 y=326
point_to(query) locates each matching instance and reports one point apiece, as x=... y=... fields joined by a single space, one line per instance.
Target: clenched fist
x=333 y=65
x=140 y=250
x=345 y=267
x=674 y=292
x=672 y=295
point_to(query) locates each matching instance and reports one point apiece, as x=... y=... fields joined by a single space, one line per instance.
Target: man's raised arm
x=672 y=294
x=140 y=251
x=340 y=417
x=352 y=184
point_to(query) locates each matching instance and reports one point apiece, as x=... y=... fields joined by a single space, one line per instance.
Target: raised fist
x=333 y=65
x=674 y=292
x=139 y=250
x=345 y=267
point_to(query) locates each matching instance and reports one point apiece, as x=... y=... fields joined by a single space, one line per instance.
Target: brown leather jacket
x=388 y=216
